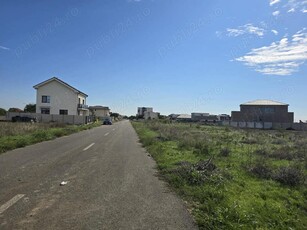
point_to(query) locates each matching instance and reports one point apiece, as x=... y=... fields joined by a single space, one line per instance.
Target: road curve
x=111 y=184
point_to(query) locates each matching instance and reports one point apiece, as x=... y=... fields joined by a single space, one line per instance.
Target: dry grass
x=17 y=135
x=16 y=128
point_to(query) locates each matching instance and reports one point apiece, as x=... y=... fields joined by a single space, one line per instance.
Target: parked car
x=107 y=122
x=23 y=119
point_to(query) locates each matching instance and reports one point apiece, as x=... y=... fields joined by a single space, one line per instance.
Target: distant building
x=184 y=117
x=206 y=117
x=55 y=96
x=224 y=117
x=199 y=116
x=173 y=116
x=100 y=111
x=142 y=110
x=263 y=111
x=147 y=113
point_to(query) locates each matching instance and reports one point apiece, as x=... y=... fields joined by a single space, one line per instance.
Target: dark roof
x=61 y=82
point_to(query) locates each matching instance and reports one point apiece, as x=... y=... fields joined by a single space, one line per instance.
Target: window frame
x=45 y=99
x=45 y=109
x=63 y=110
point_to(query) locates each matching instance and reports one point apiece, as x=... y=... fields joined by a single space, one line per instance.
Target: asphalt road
x=111 y=184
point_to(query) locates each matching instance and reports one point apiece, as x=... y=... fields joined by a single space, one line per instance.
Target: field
x=17 y=135
x=232 y=178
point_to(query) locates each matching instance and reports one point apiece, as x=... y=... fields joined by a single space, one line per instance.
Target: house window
x=45 y=99
x=83 y=102
x=63 y=112
x=79 y=100
x=45 y=111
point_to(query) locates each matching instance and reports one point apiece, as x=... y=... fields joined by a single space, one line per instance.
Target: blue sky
x=176 y=56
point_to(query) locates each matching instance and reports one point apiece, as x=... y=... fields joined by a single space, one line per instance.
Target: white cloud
x=291 y=6
x=291 y=10
x=4 y=48
x=274 y=32
x=272 y=2
x=280 y=58
x=246 y=29
x=276 y=13
x=296 y=5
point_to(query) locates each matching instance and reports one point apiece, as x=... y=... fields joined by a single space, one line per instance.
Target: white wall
x=150 y=115
x=81 y=99
x=101 y=112
x=61 y=97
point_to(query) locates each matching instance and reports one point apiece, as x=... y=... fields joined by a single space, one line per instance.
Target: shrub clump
x=195 y=174
x=261 y=169
x=283 y=154
x=225 y=152
x=261 y=152
x=290 y=175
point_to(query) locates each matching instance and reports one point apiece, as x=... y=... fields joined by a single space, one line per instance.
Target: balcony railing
x=82 y=106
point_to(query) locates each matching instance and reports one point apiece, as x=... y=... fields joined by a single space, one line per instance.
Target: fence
x=267 y=125
x=46 y=118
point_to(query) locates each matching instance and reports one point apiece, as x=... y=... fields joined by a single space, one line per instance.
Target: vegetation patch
x=232 y=178
x=18 y=135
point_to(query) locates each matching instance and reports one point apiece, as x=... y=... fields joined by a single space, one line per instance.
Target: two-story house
x=100 y=111
x=55 y=96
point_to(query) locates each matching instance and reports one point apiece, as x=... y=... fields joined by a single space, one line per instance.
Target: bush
x=21 y=142
x=291 y=175
x=201 y=148
x=261 y=152
x=250 y=141
x=279 y=141
x=59 y=132
x=195 y=174
x=261 y=169
x=283 y=154
x=40 y=136
x=225 y=152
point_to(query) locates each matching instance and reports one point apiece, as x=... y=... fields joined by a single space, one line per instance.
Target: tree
x=30 y=108
x=15 y=110
x=2 y=112
x=115 y=115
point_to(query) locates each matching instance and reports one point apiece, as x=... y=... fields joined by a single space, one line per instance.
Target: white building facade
x=54 y=96
x=100 y=111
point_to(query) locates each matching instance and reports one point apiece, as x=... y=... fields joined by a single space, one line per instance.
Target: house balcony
x=82 y=107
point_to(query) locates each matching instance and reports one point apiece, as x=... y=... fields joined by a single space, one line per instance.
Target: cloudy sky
x=176 y=56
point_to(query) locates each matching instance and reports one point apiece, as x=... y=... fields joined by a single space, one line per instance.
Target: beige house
x=55 y=96
x=99 y=111
x=147 y=113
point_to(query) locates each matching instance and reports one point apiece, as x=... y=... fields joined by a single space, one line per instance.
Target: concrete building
x=147 y=113
x=55 y=96
x=206 y=117
x=263 y=111
x=199 y=116
x=142 y=110
x=224 y=117
x=99 y=111
x=184 y=118
x=173 y=116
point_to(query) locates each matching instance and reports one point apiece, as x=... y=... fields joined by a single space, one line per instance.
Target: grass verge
x=233 y=179
x=17 y=135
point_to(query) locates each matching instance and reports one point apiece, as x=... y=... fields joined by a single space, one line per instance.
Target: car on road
x=107 y=122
